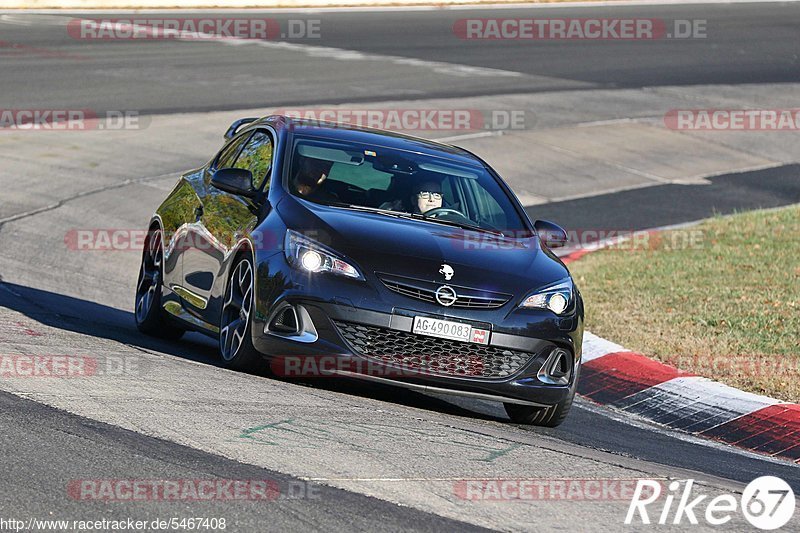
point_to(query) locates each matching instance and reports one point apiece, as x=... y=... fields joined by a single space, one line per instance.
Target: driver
x=427 y=195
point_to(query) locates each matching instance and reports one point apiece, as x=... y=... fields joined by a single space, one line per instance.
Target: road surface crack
x=59 y=203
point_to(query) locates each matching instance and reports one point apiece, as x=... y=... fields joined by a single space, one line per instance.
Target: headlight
x=556 y=298
x=311 y=256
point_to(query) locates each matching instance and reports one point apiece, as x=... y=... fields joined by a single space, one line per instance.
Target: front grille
x=426 y=291
x=431 y=355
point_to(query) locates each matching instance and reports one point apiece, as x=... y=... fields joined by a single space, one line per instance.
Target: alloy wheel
x=236 y=310
x=149 y=276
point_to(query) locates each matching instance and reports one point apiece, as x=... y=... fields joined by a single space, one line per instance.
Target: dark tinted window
x=355 y=174
x=256 y=156
x=228 y=154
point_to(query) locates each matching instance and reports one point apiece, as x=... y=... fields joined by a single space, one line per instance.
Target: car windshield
x=372 y=177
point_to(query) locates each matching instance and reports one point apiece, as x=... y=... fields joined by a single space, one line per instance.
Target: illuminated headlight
x=556 y=298
x=311 y=260
x=312 y=256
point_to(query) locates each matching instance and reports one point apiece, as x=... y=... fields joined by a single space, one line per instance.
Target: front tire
x=540 y=416
x=551 y=416
x=235 y=338
x=150 y=318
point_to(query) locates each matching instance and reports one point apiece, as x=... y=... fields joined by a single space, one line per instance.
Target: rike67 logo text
x=767 y=503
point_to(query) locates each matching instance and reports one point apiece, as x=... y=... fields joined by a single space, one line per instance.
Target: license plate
x=446 y=329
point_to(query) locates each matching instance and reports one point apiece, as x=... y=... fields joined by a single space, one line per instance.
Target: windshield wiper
x=387 y=212
x=416 y=216
x=462 y=225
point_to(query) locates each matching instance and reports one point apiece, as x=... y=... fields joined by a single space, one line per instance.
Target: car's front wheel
x=540 y=416
x=235 y=341
x=150 y=317
x=550 y=416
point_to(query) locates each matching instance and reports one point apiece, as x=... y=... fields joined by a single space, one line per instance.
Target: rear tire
x=150 y=317
x=235 y=331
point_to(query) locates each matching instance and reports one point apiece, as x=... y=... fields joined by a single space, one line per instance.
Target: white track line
x=325 y=52
x=435 y=7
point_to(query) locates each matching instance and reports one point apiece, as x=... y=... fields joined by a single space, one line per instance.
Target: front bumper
x=507 y=369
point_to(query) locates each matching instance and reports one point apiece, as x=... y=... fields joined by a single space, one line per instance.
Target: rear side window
x=228 y=154
x=256 y=156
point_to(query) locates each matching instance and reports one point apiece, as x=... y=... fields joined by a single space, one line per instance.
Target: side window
x=448 y=194
x=256 y=157
x=229 y=153
x=490 y=210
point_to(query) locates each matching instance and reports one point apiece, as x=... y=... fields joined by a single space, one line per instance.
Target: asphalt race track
x=360 y=456
x=752 y=43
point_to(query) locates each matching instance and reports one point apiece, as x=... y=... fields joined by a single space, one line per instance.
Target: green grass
x=727 y=307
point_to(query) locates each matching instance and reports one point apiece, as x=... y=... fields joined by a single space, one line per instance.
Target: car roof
x=350 y=132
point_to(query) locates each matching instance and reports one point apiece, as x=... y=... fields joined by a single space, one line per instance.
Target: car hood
x=378 y=243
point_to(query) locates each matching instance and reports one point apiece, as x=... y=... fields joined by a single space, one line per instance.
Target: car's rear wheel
x=150 y=318
x=235 y=341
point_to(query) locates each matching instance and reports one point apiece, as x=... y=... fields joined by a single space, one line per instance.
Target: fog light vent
x=285 y=321
x=292 y=321
x=557 y=369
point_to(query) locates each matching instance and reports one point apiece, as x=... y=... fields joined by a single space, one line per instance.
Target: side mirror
x=237 y=181
x=551 y=234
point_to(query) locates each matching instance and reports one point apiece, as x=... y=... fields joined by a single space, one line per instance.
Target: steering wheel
x=439 y=211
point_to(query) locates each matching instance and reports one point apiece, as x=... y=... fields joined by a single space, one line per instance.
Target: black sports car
x=409 y=260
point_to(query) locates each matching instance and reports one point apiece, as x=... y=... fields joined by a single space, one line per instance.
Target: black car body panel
x=400 y=259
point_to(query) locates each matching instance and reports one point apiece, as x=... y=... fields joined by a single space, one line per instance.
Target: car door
x=195 y=282
x=177 y=214
x=225 y=220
